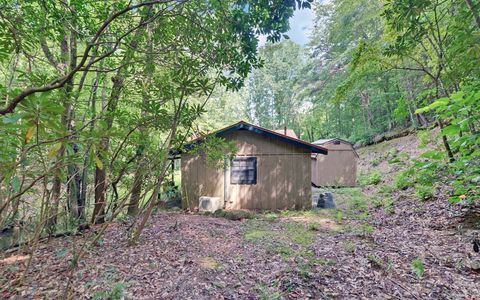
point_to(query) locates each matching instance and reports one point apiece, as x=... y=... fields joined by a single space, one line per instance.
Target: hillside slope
x=380 y=243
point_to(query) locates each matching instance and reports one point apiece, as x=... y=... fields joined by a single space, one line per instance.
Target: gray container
x=325 y=200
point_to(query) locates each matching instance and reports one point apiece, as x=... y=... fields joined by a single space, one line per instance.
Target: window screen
x=244 y=170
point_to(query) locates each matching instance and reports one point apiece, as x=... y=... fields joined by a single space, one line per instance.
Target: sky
x=300 y=25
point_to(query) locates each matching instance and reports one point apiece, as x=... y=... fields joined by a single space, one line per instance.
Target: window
x=244 y=170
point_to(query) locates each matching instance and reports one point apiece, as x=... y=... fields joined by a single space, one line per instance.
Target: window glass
x=244 y=170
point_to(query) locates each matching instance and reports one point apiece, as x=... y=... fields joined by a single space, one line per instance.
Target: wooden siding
x=338 y=168
x=283 y=176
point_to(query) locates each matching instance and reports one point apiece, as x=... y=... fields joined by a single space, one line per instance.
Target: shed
x=271 y=171
x=338 y=168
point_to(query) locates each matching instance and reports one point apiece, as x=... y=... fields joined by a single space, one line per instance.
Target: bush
x=375 y=261
x=376 y=161
x=373 y=178
x=314 y=226
x=386 y=189
x=395 y=160
x=418 y=267
x=424 y=192
x=403 y=181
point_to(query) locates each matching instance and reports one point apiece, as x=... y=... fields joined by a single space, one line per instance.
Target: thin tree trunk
x=153 y=202
x=100 y=172
x=445 y=142
x=139 y=172
x=136 y=190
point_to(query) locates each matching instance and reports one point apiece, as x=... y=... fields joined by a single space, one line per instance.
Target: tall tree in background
x=273 y=99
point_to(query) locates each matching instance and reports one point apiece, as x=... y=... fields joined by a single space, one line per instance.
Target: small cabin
x=338 y=168
x=271 y=171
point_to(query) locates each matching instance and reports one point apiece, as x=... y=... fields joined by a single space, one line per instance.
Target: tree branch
x=61 y=81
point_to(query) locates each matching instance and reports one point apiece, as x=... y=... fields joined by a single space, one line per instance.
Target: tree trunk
x=100 y=172
x=445 y=142
x=136 y=191
x=139 y=172
x=366 y=106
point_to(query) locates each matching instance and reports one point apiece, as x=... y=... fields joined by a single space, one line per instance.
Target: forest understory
x=379 y=243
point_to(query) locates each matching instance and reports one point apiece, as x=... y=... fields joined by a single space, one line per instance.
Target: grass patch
x=271 y=217
x=386 y=189
x=256 y=235
x=234 y=215
x=280 y=248
x=376 y=161
x=209 y=263
x=395 y=160
x=116 y=292
x=299 y=233
x=265 y=294
x=375 y=261
x=349 y=246
x=373 y=178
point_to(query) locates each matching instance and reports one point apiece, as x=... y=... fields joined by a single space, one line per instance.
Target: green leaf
x=16 y=184
x=99 y=163
x=432 y=154
x=451 y=130
x=12 y=119
x=54 y=150
x=442 y=102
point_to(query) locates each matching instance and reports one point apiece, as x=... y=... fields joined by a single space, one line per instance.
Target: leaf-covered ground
x=368 y=248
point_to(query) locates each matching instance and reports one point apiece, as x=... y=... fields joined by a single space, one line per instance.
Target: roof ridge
x=240 y=125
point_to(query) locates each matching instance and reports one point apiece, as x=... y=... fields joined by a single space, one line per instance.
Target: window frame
x=238 y=179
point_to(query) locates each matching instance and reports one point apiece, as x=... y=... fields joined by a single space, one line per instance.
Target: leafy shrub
x=375 y=261
x=418 y=267
x=314 y=226
x=393 y=153
x=367 y=228
x=424 y=192
x=271 y=217
x=117 y=292
x=373 y=178
x=395 y=160
x=376 y=161
x=404 y=180
x=459 y=108
x=386 y=189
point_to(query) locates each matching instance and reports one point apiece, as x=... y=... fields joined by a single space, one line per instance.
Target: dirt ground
x=365 y=249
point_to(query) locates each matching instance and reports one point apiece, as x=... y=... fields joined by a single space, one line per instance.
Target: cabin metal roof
x=325 y=141
x=242 y=125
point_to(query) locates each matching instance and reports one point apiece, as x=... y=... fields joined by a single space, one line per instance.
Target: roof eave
x=242 y=125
